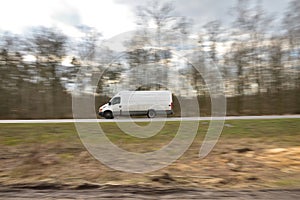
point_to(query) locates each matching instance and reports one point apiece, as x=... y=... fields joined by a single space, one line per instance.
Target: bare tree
x=47 y=44
x=276 y=54
x=199 y=60
x=291 y=23
x=250 y=32
x=87 y=44
x=213 y=31
x=292 y=28
x=159 y=30
x=162 y=18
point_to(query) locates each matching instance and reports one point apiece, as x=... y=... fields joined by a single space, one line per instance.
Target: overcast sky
x=110 y=17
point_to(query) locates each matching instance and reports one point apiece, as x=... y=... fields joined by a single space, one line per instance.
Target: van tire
x=108 y=115
x=151 y=113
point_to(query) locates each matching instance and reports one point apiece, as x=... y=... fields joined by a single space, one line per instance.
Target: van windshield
x=115 y=100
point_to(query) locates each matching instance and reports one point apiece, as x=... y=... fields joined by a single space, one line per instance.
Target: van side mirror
x=109 y=103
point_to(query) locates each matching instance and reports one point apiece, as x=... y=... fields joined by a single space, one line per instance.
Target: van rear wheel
x=108 y=115
x=151 y=113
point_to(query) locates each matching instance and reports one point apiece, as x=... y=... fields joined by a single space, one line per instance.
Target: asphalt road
x=128 y=119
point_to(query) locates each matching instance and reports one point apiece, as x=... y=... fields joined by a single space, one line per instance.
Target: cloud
x=69 y=15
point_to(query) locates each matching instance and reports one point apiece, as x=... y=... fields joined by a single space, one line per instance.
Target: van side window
x=115 y=100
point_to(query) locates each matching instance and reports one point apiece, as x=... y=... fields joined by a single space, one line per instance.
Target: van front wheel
x=151 y=113
x=108 y=115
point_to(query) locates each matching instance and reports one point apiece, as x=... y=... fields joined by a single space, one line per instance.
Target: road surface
x=128 y=119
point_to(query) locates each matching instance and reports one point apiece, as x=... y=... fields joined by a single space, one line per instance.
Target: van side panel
x=139 y=102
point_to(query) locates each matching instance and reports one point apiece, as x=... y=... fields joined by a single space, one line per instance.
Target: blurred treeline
x=258 y=55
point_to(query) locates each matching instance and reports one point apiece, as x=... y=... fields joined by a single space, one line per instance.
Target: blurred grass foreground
x=249 y=154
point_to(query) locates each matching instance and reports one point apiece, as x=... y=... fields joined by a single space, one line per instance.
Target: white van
x=148 y=103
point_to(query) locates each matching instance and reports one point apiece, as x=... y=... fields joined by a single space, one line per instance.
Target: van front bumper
x=100 y=114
